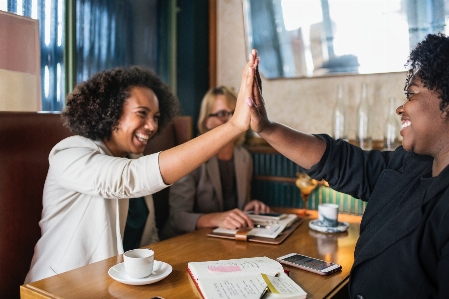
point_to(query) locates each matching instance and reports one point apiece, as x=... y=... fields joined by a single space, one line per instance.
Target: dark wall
x=193 y=55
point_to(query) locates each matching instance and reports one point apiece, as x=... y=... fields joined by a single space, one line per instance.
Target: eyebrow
x=146 y=108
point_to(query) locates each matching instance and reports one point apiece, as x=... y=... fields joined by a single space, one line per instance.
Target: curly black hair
x=96 y=105
x=429 y=61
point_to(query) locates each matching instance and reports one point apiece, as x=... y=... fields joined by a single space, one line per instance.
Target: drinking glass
x=306 y=185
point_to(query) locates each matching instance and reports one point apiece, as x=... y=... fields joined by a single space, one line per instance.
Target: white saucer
x=316 y=225
x=160 y=271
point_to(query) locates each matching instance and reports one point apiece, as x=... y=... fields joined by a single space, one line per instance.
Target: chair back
x=26 y=139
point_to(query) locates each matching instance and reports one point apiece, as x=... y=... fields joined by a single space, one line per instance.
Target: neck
x=440 y=160
x=226 y=152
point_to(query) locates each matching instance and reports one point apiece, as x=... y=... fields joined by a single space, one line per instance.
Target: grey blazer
x=200 y=193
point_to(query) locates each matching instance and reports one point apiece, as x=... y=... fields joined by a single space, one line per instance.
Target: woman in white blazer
x=217 y=193
x=91 y=178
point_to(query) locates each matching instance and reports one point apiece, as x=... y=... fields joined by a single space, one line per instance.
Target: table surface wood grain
x=93 y=281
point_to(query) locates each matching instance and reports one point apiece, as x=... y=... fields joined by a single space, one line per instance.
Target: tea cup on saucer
x=328 y=215
x=139 y=262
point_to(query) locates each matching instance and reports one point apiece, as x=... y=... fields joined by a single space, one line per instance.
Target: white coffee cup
x=139 y=262
x=328 y=214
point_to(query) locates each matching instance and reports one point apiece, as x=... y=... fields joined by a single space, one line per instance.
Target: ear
x=445 y=113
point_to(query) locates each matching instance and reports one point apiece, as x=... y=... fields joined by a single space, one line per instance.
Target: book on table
x=266 y=229
x=243 y=278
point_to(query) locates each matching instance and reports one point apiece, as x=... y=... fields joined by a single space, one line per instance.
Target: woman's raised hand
x=259 y=117
x=241 y=117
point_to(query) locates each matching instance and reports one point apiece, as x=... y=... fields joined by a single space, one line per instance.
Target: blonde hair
x=207 y=103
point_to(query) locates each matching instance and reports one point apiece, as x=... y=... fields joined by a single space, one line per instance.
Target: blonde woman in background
x=216 y=194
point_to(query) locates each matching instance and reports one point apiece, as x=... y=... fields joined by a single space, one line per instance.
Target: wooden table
x=93 y=281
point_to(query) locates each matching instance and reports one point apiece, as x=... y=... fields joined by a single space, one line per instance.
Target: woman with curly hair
x=217 y=193
x=403 y=249
x=85 y=216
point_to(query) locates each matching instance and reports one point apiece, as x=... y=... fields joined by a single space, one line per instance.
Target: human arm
x=176 y=162
x=304 y=149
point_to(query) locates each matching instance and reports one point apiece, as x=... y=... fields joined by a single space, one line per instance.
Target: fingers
x=236 y=219
x=257 y=206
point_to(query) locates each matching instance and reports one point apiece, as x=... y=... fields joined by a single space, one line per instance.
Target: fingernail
x=249 y=101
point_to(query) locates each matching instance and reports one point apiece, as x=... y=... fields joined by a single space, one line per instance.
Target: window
x=106 y=34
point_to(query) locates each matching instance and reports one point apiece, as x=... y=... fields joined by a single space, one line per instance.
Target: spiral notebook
x=243 y=278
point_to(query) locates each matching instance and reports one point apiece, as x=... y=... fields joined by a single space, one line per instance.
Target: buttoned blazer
x=200 y=192
x=85 y=205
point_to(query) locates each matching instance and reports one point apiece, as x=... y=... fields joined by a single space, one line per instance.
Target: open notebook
x=243 y=278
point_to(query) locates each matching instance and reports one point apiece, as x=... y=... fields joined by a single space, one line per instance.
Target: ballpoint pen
x=267 y=289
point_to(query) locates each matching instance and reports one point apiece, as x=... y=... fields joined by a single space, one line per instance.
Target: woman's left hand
x=257 y=206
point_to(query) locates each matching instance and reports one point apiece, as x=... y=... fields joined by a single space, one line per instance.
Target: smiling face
x=425 y=129
x=138 y=123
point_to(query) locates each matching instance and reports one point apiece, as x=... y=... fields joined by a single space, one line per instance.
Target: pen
x=264 y=293
x=267 y=289
x=261 y=226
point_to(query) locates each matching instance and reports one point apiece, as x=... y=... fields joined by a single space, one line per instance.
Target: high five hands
x=259 y=117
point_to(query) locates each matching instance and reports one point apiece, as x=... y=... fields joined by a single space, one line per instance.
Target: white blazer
x=85 y=205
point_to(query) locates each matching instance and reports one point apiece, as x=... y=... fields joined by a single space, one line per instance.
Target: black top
x=135 y=223
x=228 y=184
x=403 y=249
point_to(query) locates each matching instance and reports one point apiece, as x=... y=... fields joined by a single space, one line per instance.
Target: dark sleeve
x=349 y=169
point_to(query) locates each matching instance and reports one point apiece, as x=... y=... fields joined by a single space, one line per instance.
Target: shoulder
x=78 y=143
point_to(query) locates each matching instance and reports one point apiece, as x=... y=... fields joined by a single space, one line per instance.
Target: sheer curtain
x=115 y=33
x=108 y=34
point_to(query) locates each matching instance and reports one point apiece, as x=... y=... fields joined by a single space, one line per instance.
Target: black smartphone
x=309 y=263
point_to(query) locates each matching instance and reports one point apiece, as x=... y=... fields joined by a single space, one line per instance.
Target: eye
x=142 y=113
x=409 y=95
x=156 y=118
x=221 y=114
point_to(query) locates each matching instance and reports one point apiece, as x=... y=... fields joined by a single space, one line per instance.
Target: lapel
x=241 y=178
x=213 y=173
x=404 y=222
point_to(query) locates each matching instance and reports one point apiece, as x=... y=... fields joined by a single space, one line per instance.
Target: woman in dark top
x=403 y=249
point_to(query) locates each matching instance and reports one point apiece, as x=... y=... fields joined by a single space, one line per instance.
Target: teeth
x=142 y=137
x=406 y=123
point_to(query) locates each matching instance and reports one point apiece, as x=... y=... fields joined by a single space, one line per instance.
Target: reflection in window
x=317 y=37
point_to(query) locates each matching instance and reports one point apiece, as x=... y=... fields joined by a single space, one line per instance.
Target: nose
x=400 y=110
x=151 y=124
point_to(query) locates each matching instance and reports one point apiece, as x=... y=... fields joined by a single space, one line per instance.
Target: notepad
x=243 y=278
x=271 y=229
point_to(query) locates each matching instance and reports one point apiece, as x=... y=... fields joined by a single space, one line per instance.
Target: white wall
x=305 y=104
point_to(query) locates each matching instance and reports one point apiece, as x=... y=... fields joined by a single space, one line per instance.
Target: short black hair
x=429 y=61
x=96 y=105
